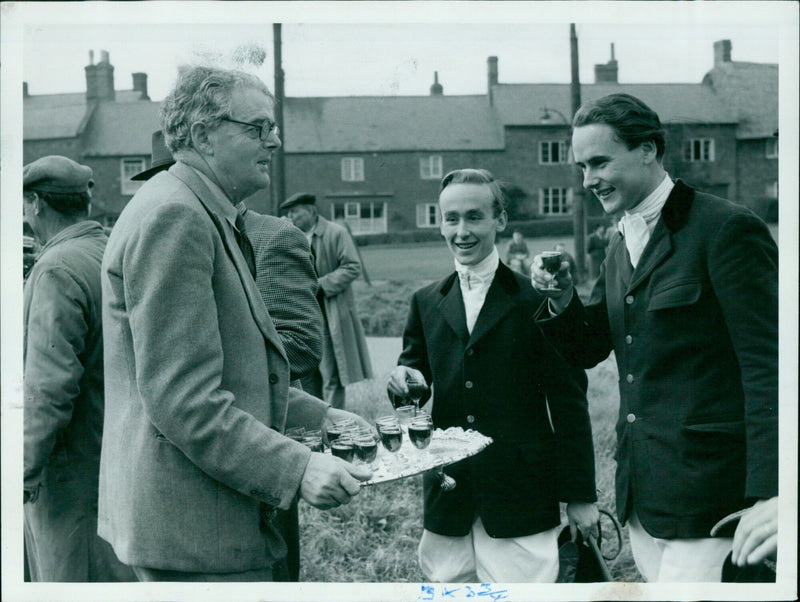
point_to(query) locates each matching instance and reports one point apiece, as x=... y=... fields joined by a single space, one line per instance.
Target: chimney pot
x=608 y=73
x=436 y=88
x=25 y=89
x=104 y=56
x=722 y=52
x=492 y=63
x=140 y=85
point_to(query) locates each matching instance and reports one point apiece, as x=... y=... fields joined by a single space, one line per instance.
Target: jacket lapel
x=498 y=303
x=451 y=306
x=257 y=307
x=659 y=247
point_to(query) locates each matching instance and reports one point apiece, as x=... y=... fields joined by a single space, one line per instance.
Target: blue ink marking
x=449 y=592
x=427 y=590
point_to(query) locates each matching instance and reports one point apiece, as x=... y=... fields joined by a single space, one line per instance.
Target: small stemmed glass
x=416 y=390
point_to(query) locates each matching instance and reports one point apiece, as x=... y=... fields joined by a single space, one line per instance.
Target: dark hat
x=161 y=158
x=301 y=198
x=57 y=174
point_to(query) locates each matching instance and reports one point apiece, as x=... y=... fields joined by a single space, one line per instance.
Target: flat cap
x=58 y=174
x=301 y=198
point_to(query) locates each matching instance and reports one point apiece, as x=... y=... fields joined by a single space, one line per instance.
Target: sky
x=355 y=52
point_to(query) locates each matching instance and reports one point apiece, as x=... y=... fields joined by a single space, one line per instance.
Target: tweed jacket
x=694 y=329
x=500 y=381
x=287 y=283
x=197 y=389
x=338 y=265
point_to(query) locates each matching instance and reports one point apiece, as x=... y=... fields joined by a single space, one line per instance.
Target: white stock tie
x=634 y=229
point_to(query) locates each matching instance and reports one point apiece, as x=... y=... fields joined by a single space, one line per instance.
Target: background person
x=472 y=335
x=345 y=357
x=63 y=378
x=596 y=249
x=193 y=461
x=688 y=302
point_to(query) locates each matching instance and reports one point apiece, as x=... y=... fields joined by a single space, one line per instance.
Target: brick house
x=376 y=162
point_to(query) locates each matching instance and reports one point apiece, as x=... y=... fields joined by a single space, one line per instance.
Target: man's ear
x=198 y=132
x=649 y=151
x=502 y=221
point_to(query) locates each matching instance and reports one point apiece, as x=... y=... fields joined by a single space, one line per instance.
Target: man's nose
x=589 y=178
x=273 y=141
x=462 y=229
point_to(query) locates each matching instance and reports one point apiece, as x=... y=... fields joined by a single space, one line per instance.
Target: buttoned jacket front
x=695 y=332
x=500 y=381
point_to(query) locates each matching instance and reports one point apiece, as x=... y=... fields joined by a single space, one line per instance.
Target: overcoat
x=502 y=380
x=338 y=265
x=197 y=389
x=695 y=332
x=63 y=409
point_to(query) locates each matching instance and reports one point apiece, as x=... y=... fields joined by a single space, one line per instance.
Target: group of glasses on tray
x=347 y=440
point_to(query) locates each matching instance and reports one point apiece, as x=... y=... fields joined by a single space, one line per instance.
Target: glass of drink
x=405 y=415
x=391 y=438
x=333 y=432
x=388 y=419
x=420 y=431
x=366 y=448
x=343 y=448
x=416 y=389
x=551 y=262
x=314 y=443
x=296 y=433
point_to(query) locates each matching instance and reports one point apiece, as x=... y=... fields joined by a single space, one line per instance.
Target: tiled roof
x=523 y=104
x=122 y=129
x=752 y=91
x=390 y=123
x=46 y=116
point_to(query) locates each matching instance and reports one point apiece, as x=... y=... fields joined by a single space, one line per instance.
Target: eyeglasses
x=264 y=129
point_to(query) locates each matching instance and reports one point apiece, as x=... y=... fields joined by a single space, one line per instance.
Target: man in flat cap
x=63 y=378
x=345 y=358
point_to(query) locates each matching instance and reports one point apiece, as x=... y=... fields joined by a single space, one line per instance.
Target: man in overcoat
x=688 y=301
x=194 y=462
x=63 y=378
x=345 y=356
x=472 y=335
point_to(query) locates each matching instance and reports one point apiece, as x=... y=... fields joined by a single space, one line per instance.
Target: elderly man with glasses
x=194 y=462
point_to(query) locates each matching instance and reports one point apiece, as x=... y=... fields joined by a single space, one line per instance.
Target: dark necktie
x=244 y=244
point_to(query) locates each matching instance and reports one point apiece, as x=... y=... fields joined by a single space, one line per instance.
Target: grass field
x=374 y=538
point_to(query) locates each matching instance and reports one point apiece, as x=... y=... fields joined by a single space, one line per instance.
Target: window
x=552 y=151
x=772 y=148
x=555 y=201
x=428 y=215
x=699 y=149
x=352 y=169
x=129 y=168
x=362 y=217
x=430 y=168
x=772 y=190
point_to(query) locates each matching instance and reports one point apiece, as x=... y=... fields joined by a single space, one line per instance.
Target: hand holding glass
x=551 y=261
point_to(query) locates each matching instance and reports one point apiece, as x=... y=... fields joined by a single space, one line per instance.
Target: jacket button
x=630 y=417
x=470 y=418
x=468 y=384
x=628 y=339
x=629 y=299
x=470 y=351
x=273 y=379
x=629 y=378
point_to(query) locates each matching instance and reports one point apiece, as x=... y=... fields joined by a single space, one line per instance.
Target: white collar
x=482 y=270
x=650 y=208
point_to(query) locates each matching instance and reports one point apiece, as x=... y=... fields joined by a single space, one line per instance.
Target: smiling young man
x=687 y=298
x=472 y=336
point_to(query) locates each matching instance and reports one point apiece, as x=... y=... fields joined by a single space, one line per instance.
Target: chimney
x=607 y=74
x=722 y=52
x=24 y=89
x=140 y=85
x=436 y=88
x=492 y=62
x=99 y=78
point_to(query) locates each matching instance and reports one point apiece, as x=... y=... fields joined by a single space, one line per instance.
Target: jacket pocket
x=677 y=295
x=733 y=427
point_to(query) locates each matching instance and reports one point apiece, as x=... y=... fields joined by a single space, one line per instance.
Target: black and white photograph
x=413 y=301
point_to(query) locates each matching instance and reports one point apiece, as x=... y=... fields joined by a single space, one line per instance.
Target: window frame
x=547 y=201
x=706 y=151
x=430 y=167
x=424 y=212
x=549 y=145
x=352 y=169
x=126 y=185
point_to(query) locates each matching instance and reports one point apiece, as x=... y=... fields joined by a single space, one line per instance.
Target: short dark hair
x=632 y=120
x=70 y=204
x=478 y=176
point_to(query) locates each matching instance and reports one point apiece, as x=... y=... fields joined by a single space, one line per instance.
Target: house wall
x=755 y=173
